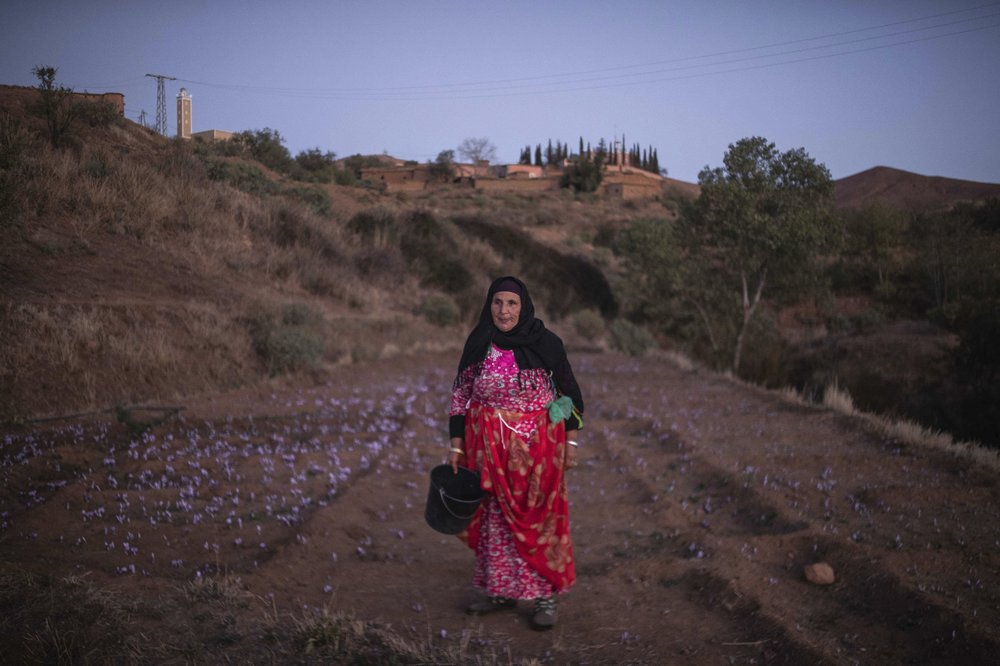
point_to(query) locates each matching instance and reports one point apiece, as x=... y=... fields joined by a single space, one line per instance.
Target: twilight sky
x=911 y=84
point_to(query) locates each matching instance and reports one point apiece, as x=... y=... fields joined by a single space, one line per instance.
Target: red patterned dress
x=521 y=532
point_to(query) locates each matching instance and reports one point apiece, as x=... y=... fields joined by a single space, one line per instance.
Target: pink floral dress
x=521 y=532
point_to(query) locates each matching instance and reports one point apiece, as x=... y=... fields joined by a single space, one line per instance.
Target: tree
x=474 y=149
x=760 y=224
x=585 y=174
x=267 y=147
x=55 y=104
x=538 y=154
x=317 y=165
x=872 y=238
x=443 y=166
x=762 y=219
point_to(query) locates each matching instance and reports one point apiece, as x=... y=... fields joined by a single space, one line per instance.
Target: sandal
x=489 y=605
x=545 y=614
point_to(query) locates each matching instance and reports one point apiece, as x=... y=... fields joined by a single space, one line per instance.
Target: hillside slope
x=911 y=192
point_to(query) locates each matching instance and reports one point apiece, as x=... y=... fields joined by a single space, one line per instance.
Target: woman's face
x=506 y=310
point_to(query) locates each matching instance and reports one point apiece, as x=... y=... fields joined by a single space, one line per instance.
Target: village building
x=213 y=135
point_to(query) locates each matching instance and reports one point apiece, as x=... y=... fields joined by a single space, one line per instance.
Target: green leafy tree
x=538 y=155
x=317 y=165
x=55 y=104
x=761 y=220
x=585 y=175
x=267 y=147
x=872 y=238
x=663 y=287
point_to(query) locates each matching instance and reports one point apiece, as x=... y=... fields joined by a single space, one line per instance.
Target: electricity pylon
x=161 y=102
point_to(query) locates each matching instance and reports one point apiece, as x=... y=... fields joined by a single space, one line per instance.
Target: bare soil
x=697 y=503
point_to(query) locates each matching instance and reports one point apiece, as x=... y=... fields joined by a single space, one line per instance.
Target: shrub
x=380 y=262
x=299 y=314
x=54 y=104
x=97 y=167
x=630 y=339
x=440 y=310
x=316 y=199
x=377 y=227
x=13 y=147
x=289 y=226
x=267 y=147
x=589 y=324
x=431 y=251
x=288 y=344
x=240 y=175
x=99 y=114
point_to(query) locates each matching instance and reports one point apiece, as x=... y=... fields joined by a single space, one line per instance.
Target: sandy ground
x=696 y=505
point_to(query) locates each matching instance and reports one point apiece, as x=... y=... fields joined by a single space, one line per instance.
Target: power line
x=472 y=90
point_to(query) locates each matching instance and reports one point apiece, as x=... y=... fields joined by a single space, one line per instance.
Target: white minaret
x=184 y=114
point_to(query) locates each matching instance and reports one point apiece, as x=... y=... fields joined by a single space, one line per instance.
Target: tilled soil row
x=696 y=504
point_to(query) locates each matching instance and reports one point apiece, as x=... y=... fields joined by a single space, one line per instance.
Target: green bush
x=589 y=324
x=288 y=343
x=290 y=226
x=240 y=175
x=289 y=349
x=440 y=310
x=97 y=167
x=630 y=339
x=431 y=251
x=316 y=199
x=267 y=147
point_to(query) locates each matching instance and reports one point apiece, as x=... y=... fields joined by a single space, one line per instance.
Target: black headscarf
x=534 y=346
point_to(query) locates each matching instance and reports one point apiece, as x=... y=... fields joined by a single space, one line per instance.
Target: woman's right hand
x=453 y=456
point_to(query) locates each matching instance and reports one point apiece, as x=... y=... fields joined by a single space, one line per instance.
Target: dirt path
x=695 y=508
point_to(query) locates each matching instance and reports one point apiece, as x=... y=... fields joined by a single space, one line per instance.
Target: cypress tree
x=538 y=155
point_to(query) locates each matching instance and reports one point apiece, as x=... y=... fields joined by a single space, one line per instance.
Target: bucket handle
x=444 y=501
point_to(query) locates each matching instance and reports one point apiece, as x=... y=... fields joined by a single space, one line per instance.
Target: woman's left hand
x=570 y=449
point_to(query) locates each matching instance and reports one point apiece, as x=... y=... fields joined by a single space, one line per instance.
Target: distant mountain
x=907 y=191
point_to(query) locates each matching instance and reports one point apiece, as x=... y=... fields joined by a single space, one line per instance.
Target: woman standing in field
x=511 y=419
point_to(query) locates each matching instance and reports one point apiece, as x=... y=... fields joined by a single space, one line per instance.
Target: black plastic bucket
x=453 y=499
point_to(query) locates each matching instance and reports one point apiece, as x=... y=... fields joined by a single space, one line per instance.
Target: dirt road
x=697 y=503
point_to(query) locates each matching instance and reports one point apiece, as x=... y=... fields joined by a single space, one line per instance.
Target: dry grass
x=325 y=634
x=253 y=248
x=839 y=400
x=70 y=620
x=108 y=355
x=65 y=621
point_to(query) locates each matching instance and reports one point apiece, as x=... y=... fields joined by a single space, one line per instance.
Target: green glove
x=560 y=409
